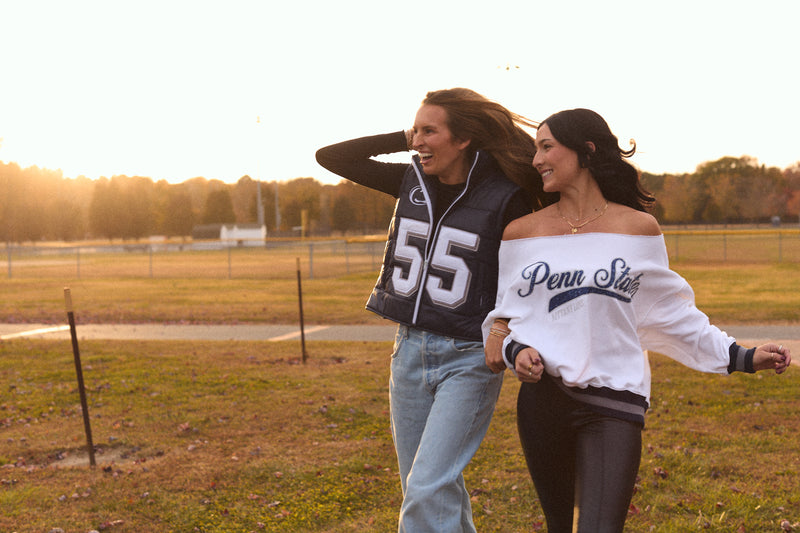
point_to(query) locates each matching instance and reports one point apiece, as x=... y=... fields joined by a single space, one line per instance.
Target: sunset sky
x=173 y=89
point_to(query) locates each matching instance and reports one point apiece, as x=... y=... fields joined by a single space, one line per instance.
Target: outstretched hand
x=772 y=356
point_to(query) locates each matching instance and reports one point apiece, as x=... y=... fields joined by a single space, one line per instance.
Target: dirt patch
x=102 y=457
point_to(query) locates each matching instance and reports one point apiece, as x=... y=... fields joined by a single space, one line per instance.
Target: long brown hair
x=492 y=128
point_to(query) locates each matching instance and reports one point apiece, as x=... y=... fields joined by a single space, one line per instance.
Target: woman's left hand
x=772 y=356
x=529 y=366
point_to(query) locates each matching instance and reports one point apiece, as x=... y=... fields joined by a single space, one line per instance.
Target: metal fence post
x=725 y=247
x=79 y=372
x=311 y=260
x=302 y=319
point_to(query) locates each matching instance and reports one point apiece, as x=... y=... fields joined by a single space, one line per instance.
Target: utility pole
x=277 y=210
x=259 y=203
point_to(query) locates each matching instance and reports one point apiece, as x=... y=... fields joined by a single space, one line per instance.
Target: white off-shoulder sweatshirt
x=591 y=304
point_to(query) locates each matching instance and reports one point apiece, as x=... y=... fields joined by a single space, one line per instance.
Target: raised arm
x=353 y=160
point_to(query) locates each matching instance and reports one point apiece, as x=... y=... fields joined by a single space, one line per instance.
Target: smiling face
x=440 y=153
x=557 y=164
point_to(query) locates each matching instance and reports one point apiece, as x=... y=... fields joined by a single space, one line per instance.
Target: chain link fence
x=207 y=259
x=733 y=246
x=330 y=258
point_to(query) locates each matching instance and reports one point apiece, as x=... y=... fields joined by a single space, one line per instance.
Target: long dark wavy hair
x=492 y=128
x=618 y=179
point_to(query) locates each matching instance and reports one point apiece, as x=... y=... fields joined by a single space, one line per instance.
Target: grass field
x=239 y=436
x=728 y=293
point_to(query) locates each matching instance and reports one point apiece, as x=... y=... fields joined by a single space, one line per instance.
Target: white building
x=229 y=235
x=243 y=234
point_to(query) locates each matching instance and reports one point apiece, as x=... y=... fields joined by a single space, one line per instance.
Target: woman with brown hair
x=470 y=177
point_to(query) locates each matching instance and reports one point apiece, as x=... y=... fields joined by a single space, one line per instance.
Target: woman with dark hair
x=470 y=177
x=584 y=288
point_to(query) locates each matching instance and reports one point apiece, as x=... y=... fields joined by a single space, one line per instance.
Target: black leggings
x=582 y=463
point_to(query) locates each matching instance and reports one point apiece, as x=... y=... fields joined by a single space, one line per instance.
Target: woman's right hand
x=410 y=139
x=529 y=366
x=493 y=348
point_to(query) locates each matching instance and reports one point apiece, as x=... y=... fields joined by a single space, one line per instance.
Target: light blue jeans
x=442 y=397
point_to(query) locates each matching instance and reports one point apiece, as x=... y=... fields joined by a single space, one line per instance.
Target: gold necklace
x=576 y=227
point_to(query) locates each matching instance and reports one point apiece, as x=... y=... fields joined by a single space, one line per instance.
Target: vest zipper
x=429 y=246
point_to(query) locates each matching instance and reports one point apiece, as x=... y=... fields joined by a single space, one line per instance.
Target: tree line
x=40 y=204
x=726 y=191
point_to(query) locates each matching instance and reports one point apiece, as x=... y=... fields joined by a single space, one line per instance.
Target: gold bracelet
x=498 y=332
